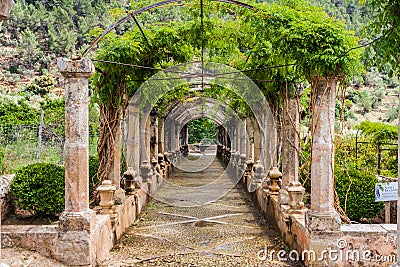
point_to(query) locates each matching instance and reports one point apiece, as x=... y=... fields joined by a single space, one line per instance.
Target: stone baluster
x=145 y=171
x=275 y=177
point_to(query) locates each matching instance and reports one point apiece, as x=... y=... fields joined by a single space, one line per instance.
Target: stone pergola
x=84 y=237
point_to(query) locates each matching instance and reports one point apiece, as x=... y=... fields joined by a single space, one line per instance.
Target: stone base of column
x=77 y=221
x=77 y=239
x=322 y=221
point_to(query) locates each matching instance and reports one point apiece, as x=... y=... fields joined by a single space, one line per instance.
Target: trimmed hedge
x=40 y=188
x=361 y=195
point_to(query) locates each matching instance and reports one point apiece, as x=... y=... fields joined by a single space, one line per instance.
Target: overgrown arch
x=147 y=96
x=273 y=44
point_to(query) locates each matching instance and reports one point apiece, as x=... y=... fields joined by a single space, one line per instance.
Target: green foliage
x=2 y=164
x=270 y=35
x=16 y=111
x=385 y=27
x=201 y=129
x=378 y=132
x=39 y=188
x=43 y=30
x=41 y=85
x=356 y=191
x=355 y=178
x=392 y=114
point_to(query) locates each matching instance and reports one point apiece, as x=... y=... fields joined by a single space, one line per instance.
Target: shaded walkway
x=226 y=232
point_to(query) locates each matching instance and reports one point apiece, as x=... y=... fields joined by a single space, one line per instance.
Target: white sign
x=386 y=191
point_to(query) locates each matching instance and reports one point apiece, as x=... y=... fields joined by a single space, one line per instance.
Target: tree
x=385 y=26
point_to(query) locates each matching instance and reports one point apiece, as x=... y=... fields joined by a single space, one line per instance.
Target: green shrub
x=2 y=164
x=41 y=85
x=359 y=186
x=40 y=188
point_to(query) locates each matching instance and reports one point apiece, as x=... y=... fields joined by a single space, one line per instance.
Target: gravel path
x=229 y=231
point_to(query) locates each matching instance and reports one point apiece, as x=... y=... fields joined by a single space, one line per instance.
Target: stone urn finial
x=296 y=193
x=250 y=164
x=129 y=181
x=275 y=176
x=145 y=170
x=106 y=191
x=259 y=172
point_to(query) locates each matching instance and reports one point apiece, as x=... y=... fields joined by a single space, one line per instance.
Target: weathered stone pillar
x=250 y=133
x=257 y=142
x=76 y=148
x=238 y=138
x=323 y=216
x=161 y=137
x=176 y=137
x=114 y=174
x=290 y=141
x=154 y=137
x=147 y=135
x=142 y=141
x=243 y=138
x=77 y=222
x=133 y=136
x=186 y=134
x=5 y=8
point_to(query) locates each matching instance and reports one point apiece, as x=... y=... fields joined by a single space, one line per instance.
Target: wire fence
x=26 y=144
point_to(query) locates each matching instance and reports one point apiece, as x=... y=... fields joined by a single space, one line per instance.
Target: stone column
x=238 y=138
x=77 y=223
x=161 y=140
x=176 y=136
x=114 y=174
x=76 y=148
x=243 y=138
x=147 y=135
x=250 y=133
x=257 y=142
x=290 y=141
x=154 y=137
x=133 y=136
x=5 y=8
x=323 y=216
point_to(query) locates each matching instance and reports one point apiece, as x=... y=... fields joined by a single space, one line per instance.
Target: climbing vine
x=290 y=41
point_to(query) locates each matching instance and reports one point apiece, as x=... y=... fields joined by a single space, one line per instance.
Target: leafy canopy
x=301 y=37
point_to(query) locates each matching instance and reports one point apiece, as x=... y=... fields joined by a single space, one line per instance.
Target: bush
x=2 y=164
x=41 y=85
x=359 y=186
x=40 y=188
